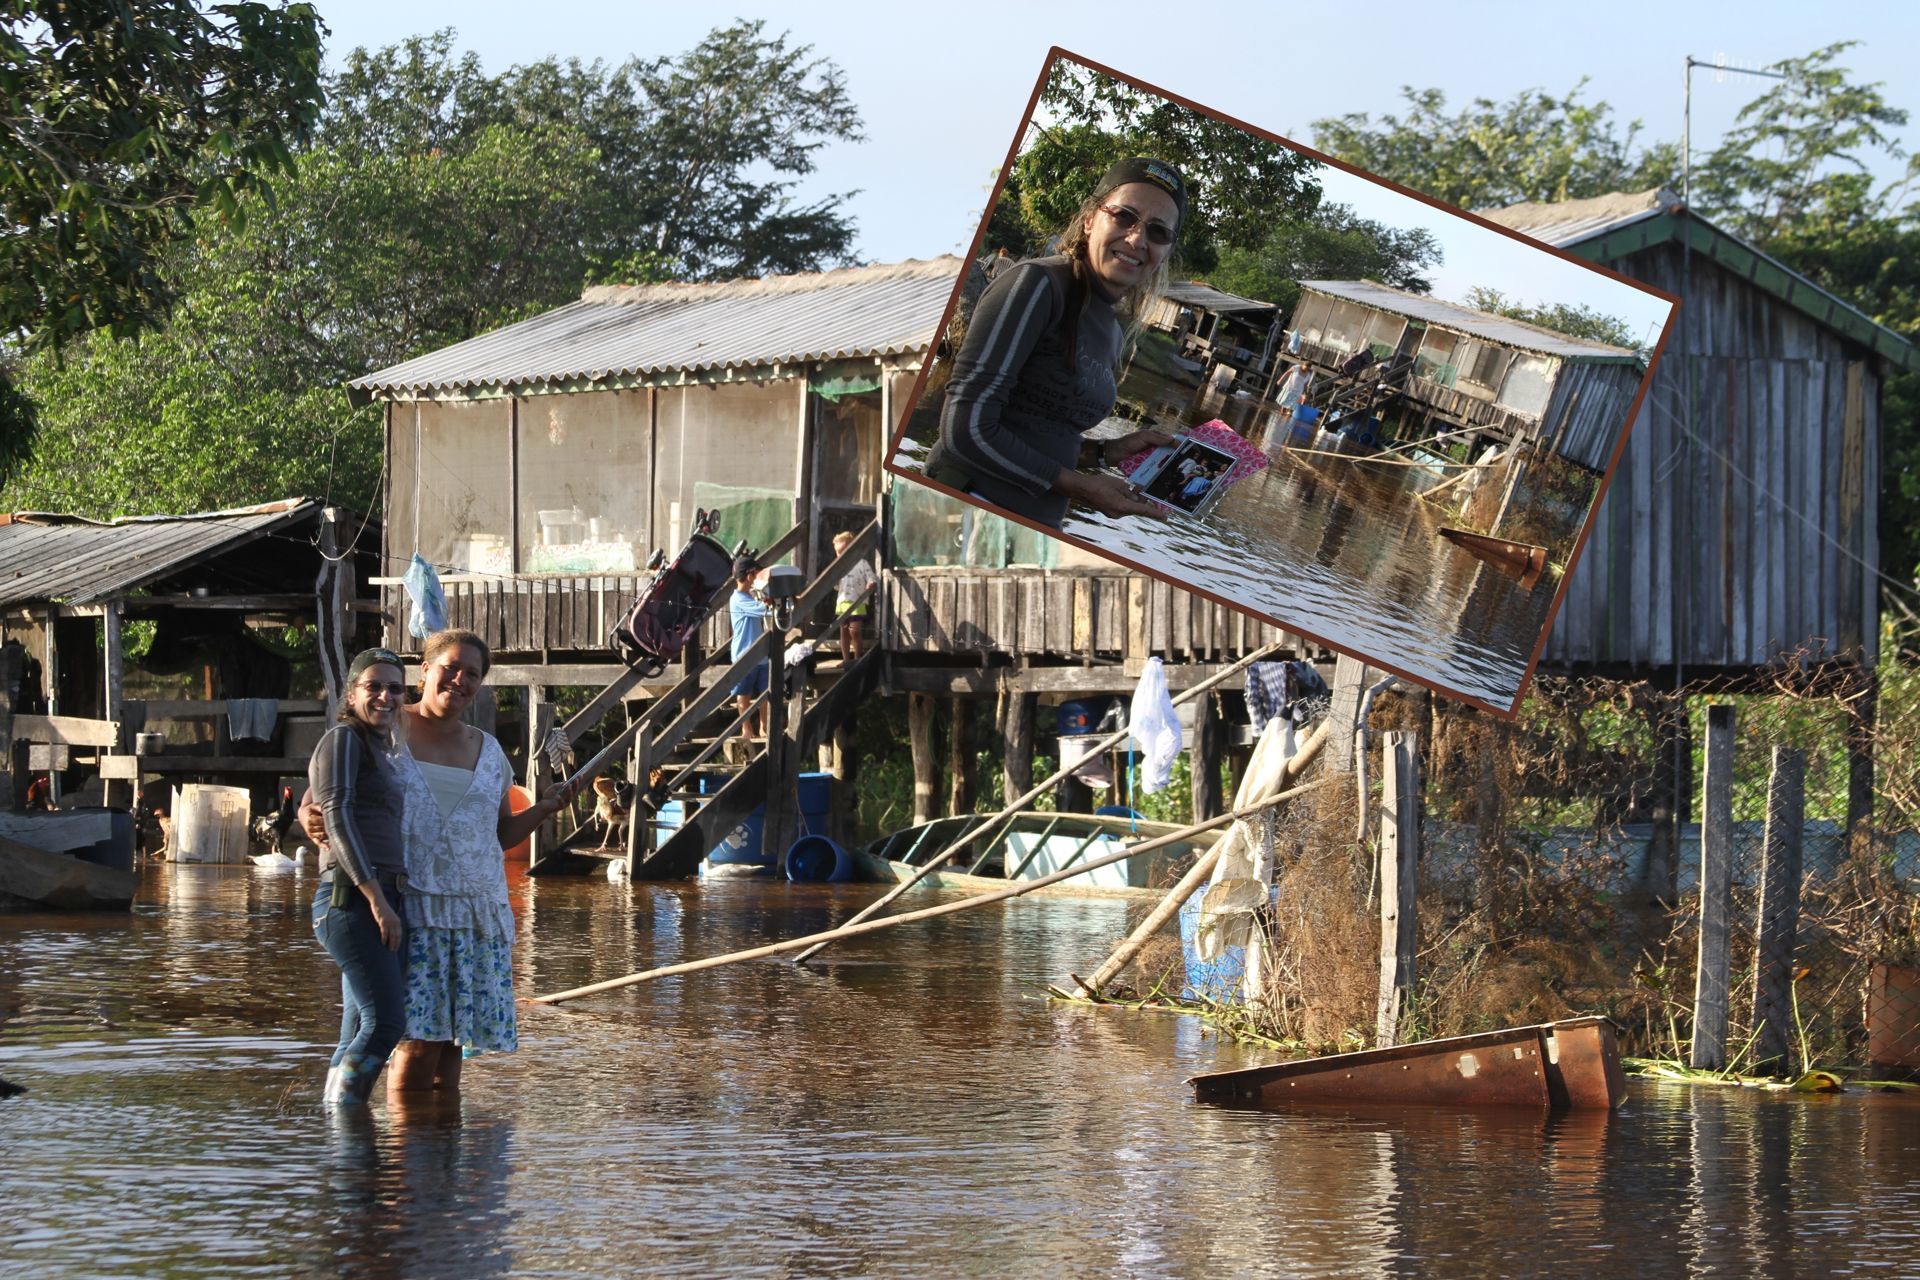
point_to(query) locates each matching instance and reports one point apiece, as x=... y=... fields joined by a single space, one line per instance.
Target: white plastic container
x=210 y=823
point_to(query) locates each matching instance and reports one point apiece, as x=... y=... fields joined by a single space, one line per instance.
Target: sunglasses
x=374 y=688
x=1126 y=219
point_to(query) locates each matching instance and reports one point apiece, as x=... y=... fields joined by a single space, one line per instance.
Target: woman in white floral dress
x=460 y=928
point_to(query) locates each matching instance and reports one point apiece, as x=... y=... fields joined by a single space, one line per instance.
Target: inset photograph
x=1205 y=352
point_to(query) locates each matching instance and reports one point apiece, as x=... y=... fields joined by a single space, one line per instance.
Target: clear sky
x=942 y=87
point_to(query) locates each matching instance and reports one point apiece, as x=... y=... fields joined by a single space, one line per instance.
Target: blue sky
x=942 y=88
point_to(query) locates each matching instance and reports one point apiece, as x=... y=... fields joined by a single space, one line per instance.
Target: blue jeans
x=373 y=984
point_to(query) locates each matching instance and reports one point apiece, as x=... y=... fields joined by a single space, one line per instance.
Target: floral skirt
x=460 y=988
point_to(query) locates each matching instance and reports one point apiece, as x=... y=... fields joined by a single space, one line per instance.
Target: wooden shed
x=1743 y=520
x=1446 y=366
x=205 y=581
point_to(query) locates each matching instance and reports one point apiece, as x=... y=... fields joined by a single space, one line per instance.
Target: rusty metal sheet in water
x=1571 y=1064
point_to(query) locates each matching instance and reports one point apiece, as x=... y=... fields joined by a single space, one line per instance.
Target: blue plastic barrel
x=1307 y=414
x=818 y=860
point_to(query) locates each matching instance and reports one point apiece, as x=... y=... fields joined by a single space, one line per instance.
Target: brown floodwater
x=1338 y=548
x=911 y=1106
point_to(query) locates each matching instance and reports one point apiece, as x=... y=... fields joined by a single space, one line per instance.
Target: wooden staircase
x=685 y=731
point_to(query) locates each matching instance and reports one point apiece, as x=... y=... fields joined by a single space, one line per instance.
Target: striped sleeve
x=334 y=772
x=1008 y=323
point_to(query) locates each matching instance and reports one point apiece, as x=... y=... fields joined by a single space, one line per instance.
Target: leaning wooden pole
x=854 y=929
x=1169 y=906
x=1112 y=740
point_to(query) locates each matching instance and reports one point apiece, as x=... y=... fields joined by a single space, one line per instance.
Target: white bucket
x=210 y=823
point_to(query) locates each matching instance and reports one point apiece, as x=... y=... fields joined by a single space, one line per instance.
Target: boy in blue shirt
x=748 y=615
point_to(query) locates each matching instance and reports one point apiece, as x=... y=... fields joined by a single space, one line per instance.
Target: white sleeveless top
x=456 y=870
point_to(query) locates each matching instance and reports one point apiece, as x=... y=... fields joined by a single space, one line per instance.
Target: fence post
x=1399 y=854
x=1779 y=920
x=1716 y=896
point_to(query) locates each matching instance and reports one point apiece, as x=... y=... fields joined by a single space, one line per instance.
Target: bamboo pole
x=856 y=928
x=1177 y=896
x=967 y=837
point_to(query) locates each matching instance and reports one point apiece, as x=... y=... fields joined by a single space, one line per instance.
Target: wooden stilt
x=1861 y=724
x=1016 y=736
x=925 y=770
x=1709 y=1052
x=1209 y=743
x=962 y=761
x=1778 y=925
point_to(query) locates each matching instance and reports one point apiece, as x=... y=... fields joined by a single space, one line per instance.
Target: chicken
x=612 y=805
x=271 y=829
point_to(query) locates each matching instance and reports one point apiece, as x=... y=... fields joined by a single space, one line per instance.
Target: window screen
x=929 y=528
x=584 y=480
x=1527 y=386
x=460 y=492
x=732 y=447
x=1310 y=318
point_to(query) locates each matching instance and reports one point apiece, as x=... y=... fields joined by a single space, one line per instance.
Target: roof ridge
x=768 y=286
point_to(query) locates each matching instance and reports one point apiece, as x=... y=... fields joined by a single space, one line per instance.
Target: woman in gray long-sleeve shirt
x=1038 y=365
x=357 y=911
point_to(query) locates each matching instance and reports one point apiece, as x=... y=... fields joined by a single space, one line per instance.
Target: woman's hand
x=392 y=932
x=313 y=822
x=1106 y=494
x=1133 y=442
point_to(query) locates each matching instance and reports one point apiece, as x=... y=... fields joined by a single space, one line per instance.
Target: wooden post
x=1350 y=681
x=1779 y=919
x=925 y=770
x=539 y=725
x=781 y=821
x=1209 y=742
x=1399 y=856
x=1672 y=797
x=1016 y=736
x=50 y=676
x=113 y=704
x=331 y=620
x=962 y=764
x=638 y=813
x=1861 y=721
x=846 y=780
x=1716 y=896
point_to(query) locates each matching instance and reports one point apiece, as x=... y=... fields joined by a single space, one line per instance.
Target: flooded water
x=910 y=1107
x=1342 y=550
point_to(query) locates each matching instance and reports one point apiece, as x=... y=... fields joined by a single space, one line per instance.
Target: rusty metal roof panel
x=1479 y=324
x=648 y=330
x=78 y=561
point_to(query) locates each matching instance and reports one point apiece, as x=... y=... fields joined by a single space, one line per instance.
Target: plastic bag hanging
x=429 y=612
x=1154 y=728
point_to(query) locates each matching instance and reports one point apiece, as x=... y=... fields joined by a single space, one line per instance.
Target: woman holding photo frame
x=1039 y=363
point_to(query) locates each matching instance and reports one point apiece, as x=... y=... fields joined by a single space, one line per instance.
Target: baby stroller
x=671 y=607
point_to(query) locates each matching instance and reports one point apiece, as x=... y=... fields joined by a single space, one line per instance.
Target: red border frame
x=1057 y=54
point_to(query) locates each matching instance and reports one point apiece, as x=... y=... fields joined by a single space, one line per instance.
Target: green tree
x=1576 y=320
x=121 y=120
x=1335 y=243
x=1535 y=146
x=438 y=204
x=699 y=155
x=1238 y=183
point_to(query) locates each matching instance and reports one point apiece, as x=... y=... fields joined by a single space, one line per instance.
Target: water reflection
x=908 y=1105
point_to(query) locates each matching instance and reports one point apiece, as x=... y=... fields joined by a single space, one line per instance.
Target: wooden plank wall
x=535 y=614
x=1065 y=614
x=1742 y=527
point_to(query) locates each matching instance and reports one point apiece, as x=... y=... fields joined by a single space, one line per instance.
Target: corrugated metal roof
x=1584 y=226
x=1568 y=222
x=1479 y=324
x=80 y=561
x=638 y=331
x=1194 y=293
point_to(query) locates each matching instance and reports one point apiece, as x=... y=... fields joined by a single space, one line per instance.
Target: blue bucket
x=818 y=860
x=1307 y=413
